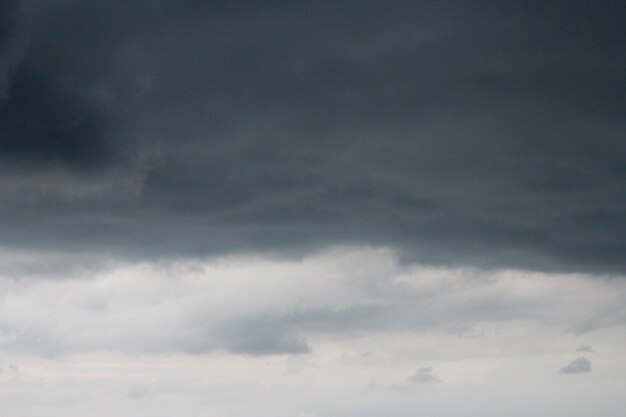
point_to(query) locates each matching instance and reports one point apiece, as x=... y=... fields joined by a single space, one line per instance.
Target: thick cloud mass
x=341 y=333
x=41 y=125
x=482 y=133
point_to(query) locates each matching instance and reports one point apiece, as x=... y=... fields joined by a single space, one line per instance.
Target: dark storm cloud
x=9 y=46
x=39 y=126
x=7 y=11
x=488 y=133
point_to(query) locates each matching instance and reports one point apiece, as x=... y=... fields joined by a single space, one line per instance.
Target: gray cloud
x=264 y=336
x=577 y=366
x=489 y=135
x=138 y=392
x=585 y=348
x=9 y=370
x=261 y=307
x=423 y=375
x=42 y=126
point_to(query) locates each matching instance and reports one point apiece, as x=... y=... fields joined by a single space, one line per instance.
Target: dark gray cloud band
x=484 y=133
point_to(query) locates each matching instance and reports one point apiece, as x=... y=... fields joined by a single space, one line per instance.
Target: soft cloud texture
x=313 y=209
x=423 y=375
x=577 y=366
x=261 y=306
x=349 y=331
x=487 y=134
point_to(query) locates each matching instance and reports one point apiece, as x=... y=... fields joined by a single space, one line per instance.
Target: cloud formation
x=577 y=366
x=585 y=348
x=423 y=375
x=267 y=307
x=487 y=135
x=348 y=208
x=352 y=331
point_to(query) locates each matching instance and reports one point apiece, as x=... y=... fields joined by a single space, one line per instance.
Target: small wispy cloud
x=423 y=375
x=138 y=391
x=9 y=369
x=577 y=366
x=585 y=349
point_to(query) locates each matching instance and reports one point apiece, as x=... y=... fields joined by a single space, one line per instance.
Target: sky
x=312 y=208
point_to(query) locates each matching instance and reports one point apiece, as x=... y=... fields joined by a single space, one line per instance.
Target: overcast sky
x=312 y=208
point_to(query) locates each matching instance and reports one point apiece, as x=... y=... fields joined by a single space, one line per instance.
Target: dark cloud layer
x=40 y=126
x=484 y=133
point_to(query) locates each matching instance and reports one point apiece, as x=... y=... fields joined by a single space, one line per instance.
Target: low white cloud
x=301 y=336
x=261 y=306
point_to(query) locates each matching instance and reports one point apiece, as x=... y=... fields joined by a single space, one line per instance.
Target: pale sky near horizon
x=349 y=331
x=312 y=209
